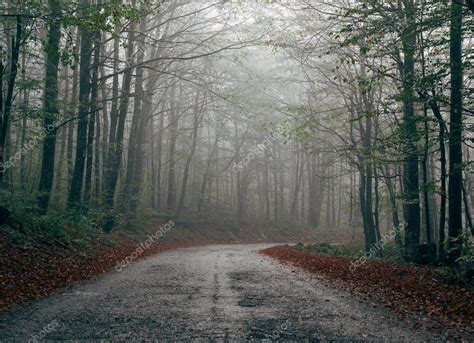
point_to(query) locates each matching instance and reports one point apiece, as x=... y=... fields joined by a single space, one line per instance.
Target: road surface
x=215 y=292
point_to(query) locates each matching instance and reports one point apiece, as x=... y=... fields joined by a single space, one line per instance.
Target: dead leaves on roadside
x=404 y=289
x=32 y=272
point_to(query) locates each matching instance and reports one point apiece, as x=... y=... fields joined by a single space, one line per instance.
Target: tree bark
x=411 y=174
x=91 y=125
x=455 y=137
x=114 y=155
x=74 y=198
x=6 y=105
x=198 y=114
x=51 y=90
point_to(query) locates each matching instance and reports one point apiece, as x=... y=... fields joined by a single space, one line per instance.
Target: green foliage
x=108 y=17
x=16 y=236
x=25 y=225
x=26 y=83
x=21 y=204
x=456 y=274
x=465 y=261
x=463 y=270
x=77 y=220
x=325 y=249
x=50 y=227
x=391 y=252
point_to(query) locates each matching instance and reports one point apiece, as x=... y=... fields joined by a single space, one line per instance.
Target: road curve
x=220 y=293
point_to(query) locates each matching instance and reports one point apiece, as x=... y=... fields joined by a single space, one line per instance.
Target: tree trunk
x=70 y=125
x=63 y=131
x=171 y=193
x=198 y=114
x=6 y=105
x=141 y=113
x=114 y=155
x=75 y=191
x=411 y=175
x=91 y=126
x=455 y=137
x=50 y=107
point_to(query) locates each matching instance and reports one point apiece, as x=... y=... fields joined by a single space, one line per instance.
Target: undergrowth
x=462 y=272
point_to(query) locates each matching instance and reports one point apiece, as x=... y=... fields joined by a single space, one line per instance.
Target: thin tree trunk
x=443 y=166
x=70 y=125
x=171 y=193
x=198 y=114
x=62 y=151
x=6 y=105
x=91 y=127
x=114 y=155
x=74 y=198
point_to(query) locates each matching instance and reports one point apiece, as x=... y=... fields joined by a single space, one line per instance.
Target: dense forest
x=236 y=170
x=350 y=115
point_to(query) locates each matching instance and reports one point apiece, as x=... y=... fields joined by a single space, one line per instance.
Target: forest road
x=215 y=292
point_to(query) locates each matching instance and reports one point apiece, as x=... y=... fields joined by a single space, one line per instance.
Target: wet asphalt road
x=218 y=293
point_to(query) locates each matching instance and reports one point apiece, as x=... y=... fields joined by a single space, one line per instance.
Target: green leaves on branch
x=109 y=17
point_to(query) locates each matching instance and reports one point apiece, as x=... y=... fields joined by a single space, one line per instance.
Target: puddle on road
x=251 y=301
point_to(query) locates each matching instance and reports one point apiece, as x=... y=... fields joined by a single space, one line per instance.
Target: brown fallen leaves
x=33 y=272
x=404 y=289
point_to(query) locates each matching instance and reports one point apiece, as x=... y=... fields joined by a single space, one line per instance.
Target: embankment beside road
x=37 y=264
x=410 y=291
